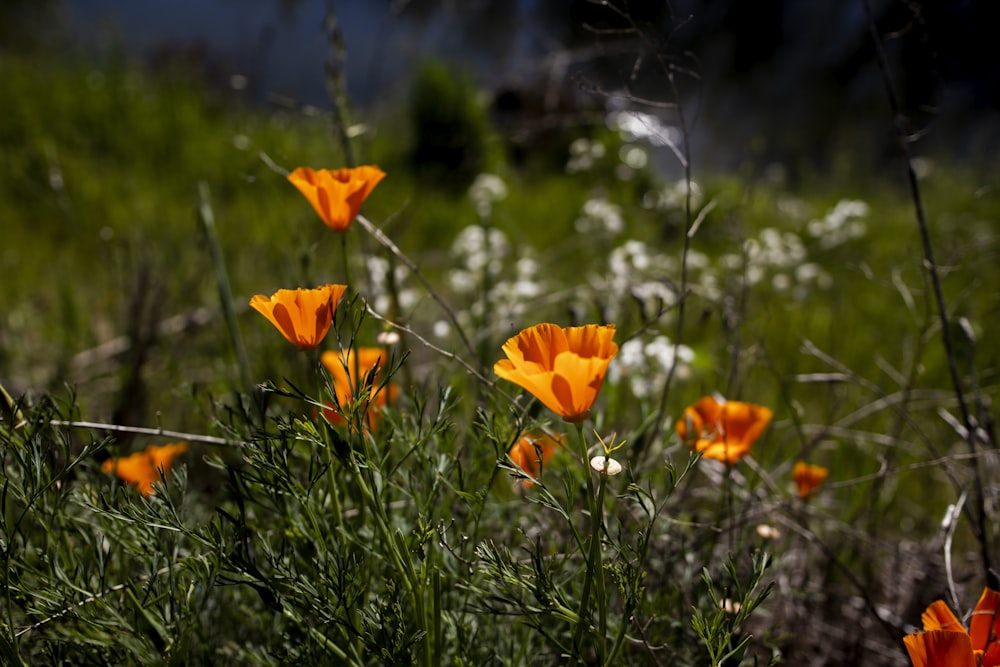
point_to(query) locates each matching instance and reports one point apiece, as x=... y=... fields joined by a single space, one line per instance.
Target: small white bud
x=768 y=532
x=605 y=466
x=387 y=338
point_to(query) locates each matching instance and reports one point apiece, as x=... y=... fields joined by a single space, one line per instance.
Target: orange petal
x=744 y=422
x=303 y=316
x=938 y=616
x=135 y=469
x=720 y=450
x=337 y=195
x=592 y=341
x=940 y=648
x=349 y=374
x=585 y=377
x=532 y=452
x=563 y=368
x=542 y=385
x=983 y=626
x=162 y=456
x=700 y=418
x=536 y=345
x=808 y=478
x=722 y=430
x=143 y=468
x=991 y=657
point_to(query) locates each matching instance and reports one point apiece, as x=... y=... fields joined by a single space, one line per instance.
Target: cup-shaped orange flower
x=303 y=316
x=808 y=478
x=945 y=641
x=722 y=430
x=563 y=368
x=143 y=468
x=532 y=453
x=360 y=372
x=337 y=194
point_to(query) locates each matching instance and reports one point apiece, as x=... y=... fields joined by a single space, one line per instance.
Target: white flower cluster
x=645 y=365
x=672 y=196
x=583 y=154
x=600 y=215
x=634 y=271
x=782 y=256
x=793 y=207
x=508 y=298
x=634 y=157
x=485 y=191
x=524 y=285
x=843 y=222
x=480 y=256
x=479 y=253
x=634 y=128
x=638 y=126
x=378 y=272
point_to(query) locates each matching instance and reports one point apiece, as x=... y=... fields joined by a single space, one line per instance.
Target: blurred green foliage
x=452 y=140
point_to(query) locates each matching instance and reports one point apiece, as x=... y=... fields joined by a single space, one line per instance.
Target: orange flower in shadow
x=143 y=468
x=945 y=642
x=563 y=368
x=360 y=373
x=722 y=430
x=531 y=454
x=337 y=194
x=808 y=478
x=303 y=316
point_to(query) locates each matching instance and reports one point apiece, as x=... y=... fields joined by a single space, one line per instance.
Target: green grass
x=312 y=543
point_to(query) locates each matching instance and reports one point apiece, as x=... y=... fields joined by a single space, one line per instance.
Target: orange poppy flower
x=563 y=368
x=808 y=477
x=532 y=453
x=303 y=316
x=143 y=468
x=353 y=375
x=722 y=430
x=945 y=641
x=337 y=195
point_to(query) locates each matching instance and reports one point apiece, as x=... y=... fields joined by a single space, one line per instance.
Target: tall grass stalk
x=206 y=217
x=971 y=432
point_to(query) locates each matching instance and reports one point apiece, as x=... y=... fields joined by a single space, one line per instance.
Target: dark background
x=787 y=80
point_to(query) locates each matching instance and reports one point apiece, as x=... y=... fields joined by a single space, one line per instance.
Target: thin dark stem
x=688 y=228
x=394 y=249
x=899 y=120
x=334 y=71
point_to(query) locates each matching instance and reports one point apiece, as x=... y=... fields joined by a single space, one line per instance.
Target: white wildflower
x=486 y=190
x=600 y=215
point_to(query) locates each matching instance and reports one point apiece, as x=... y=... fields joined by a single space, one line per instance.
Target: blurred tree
x=450 y=126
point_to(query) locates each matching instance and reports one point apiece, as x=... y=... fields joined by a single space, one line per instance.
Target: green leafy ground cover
x=312 y=543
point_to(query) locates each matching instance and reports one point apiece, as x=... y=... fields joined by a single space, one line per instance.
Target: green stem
x=596 y=567
x=207 y=219
x=595 y=570
x=396 y=544
x=345 y=259
x=631 y=601
x=331 y=463
x=321 y=638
